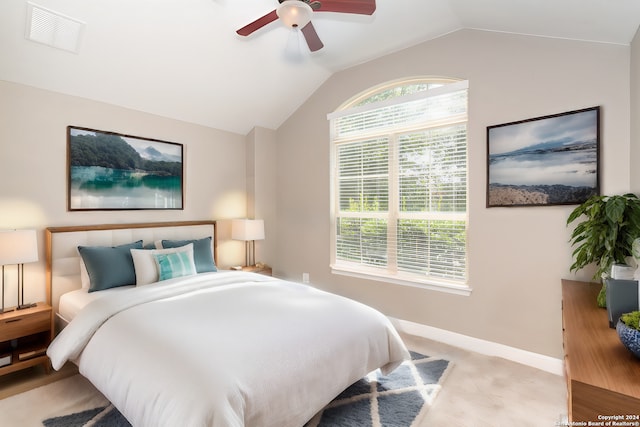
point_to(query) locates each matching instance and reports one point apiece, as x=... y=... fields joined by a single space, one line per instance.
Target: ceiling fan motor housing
x=294 y=13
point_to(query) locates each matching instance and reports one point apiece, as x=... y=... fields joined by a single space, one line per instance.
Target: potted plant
x=629 y=331
x=606 y=234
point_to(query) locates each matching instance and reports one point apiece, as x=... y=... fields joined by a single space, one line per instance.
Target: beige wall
x=516 y=255
x=33 y=184
x=261 y=189
x=635 y=114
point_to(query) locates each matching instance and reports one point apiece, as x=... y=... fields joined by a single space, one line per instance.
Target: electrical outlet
x=305 y=277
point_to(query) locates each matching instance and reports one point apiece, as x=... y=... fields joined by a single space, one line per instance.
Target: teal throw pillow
x=177 y=264
x=109 y=266
x=202 y=252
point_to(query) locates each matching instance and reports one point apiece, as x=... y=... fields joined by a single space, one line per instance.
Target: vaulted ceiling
x=183 y=59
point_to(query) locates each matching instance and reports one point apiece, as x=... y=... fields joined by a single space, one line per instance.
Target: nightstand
x=24 y=337
x=265 y=269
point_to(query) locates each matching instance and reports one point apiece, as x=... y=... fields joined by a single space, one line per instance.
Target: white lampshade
x=18 y=246
x=247 y=229
x=294 y=13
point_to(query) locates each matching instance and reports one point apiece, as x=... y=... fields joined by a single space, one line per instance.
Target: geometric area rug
x=396 y=400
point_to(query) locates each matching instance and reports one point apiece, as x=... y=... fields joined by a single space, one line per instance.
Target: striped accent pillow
x=176 y=264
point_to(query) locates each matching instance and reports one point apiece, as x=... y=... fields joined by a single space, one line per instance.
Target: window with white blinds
x=399 y=185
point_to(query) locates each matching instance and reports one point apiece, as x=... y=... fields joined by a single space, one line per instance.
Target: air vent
x=53 y=29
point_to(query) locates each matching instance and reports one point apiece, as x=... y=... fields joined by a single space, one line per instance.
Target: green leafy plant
x=632 y=319
x=605 y=236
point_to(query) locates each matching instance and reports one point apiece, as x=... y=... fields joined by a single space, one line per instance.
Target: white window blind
x=400 y=187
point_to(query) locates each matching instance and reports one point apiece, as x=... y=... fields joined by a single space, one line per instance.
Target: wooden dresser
x=603 y=377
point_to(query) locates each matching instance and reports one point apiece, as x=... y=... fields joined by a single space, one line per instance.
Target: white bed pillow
x=84 y=274
x=145 y=265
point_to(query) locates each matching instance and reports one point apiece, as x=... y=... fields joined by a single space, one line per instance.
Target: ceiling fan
x=297 y=14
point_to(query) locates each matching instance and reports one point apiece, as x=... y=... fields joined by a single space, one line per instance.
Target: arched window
x=399 y=184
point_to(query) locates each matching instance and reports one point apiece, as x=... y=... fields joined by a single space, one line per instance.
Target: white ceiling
x=182 y=58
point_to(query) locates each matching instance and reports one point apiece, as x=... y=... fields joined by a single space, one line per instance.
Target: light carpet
x=400 y=399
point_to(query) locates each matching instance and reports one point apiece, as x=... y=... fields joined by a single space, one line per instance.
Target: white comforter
x=226 y=349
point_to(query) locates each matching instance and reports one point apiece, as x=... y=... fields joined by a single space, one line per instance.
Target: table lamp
x=248 y=230
x=17 y=247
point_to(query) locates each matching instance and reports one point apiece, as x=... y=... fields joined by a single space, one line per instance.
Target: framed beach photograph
x=550 y=160
x=110 y=171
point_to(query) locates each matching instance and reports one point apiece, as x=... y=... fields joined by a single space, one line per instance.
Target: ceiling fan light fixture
x=294 y=13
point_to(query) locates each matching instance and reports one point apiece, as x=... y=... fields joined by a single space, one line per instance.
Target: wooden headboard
x=63 y=260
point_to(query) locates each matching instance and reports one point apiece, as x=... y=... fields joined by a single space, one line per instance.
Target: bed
x=200 y=347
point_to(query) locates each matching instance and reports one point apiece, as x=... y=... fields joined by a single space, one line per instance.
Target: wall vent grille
x=53 y=29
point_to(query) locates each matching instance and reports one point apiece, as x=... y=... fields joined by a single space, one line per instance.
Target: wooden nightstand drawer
x=24 y=337
x=20 y=323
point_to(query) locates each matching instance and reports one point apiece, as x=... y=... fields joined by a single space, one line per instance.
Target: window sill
x=434 y=285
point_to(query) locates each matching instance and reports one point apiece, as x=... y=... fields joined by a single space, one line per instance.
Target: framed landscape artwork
x=110 y=171
x=550 y=160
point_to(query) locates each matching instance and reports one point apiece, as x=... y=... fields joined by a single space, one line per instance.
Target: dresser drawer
x=20 y=325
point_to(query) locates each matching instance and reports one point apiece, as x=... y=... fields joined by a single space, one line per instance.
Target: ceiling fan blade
x=258 y=23
x=310 y=35
x=362 y=7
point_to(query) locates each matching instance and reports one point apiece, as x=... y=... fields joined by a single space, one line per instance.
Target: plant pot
x=622 y=297
x=630 y=338
x=601 y=299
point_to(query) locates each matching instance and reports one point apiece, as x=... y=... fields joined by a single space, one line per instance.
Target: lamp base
x=24 y=306
x=6 y=310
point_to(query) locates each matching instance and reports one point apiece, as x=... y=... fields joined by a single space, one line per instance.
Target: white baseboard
x=488 y=348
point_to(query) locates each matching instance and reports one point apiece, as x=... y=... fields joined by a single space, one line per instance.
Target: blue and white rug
x=397 y=400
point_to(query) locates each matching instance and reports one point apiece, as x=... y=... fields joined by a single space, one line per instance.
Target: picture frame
x=549 y=160
x=113 y=171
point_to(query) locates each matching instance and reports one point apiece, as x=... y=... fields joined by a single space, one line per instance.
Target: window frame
x=350 y=107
